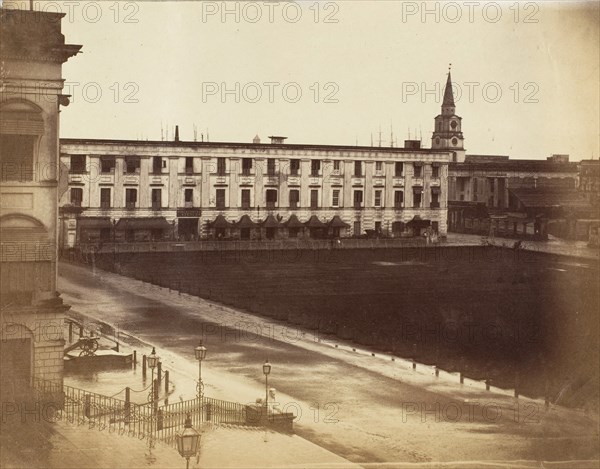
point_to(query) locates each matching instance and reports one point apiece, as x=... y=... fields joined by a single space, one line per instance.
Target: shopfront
x=188 y=221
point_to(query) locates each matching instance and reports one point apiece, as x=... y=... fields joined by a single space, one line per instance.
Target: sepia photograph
x=303 y=234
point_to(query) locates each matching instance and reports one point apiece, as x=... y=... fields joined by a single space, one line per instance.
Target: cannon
x=88 y=346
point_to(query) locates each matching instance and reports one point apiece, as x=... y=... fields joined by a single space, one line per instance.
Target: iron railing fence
x=203 y=412
x=162 y=423
x=82 y=407
x=86 y=250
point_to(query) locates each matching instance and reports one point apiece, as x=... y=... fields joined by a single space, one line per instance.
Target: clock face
x=453 y=124
x=454 y=141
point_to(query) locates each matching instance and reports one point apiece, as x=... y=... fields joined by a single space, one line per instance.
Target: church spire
x=447 y=134
x=448 y=95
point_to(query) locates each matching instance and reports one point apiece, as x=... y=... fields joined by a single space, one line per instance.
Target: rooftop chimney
x=176 y=133
x=412 y=144
x=558 y=158
x=278 y=140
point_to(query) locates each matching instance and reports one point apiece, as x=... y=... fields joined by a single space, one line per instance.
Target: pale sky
x=375 y=60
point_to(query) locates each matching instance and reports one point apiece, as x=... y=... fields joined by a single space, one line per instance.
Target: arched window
x=21 y=127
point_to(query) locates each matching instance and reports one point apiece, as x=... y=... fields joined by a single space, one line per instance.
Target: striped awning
x=337 y=222
x=418 y=221
x=271 y=222
x=220 y=223
x=246 y=222
x=293 y=222
x=314 y=222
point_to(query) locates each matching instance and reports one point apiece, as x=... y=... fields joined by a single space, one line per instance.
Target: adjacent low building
x=495 y=195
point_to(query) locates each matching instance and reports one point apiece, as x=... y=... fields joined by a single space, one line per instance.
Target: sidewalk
x=38 y=443
x=552 y=246
x=64 y=445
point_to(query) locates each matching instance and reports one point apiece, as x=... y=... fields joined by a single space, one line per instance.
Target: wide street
x=368 y=409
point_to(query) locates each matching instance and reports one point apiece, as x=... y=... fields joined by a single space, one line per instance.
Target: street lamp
x=152 y=362
x=188 y=441
x=200 y=352
x=266 y=371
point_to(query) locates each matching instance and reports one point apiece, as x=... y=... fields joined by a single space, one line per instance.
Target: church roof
x=448 y=95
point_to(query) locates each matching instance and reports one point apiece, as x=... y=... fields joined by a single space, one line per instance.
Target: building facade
x=32 y=51
x=589 y=180
x=497 y=195
x=143 y=191
x=135 y=191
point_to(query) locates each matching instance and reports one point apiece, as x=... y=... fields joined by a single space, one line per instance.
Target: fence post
x=159 y=420
x=127 y=404
x=80 y=332
x=135 y=357
x=167 y=381
x=437 y=372
x=87 y=406
x=159 y=374
x=208 y=412
x=144 y=366
x=488 y=383
x=70 y=332
x=155 y=395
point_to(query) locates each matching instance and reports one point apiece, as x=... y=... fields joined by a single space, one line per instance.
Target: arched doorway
x=16 y=362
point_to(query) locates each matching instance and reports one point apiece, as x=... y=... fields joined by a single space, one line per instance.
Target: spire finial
x=449 y=68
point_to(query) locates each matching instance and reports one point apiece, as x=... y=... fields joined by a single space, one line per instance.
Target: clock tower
x=447 y=134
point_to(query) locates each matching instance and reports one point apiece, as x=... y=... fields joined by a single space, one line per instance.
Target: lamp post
x=200 y=352
x=188 y=441
x=266 y=371
x=152 y=362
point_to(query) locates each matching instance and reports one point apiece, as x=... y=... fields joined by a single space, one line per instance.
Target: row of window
x=132 y=166
x=131 y=196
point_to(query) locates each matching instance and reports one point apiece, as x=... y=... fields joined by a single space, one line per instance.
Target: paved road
x=366 y=409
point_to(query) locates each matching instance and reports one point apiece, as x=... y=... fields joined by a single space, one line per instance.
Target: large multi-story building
x=32 y=51
x=128 y=190
x=140 y=190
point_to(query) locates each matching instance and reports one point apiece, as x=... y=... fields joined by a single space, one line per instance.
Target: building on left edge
x=32 y=52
